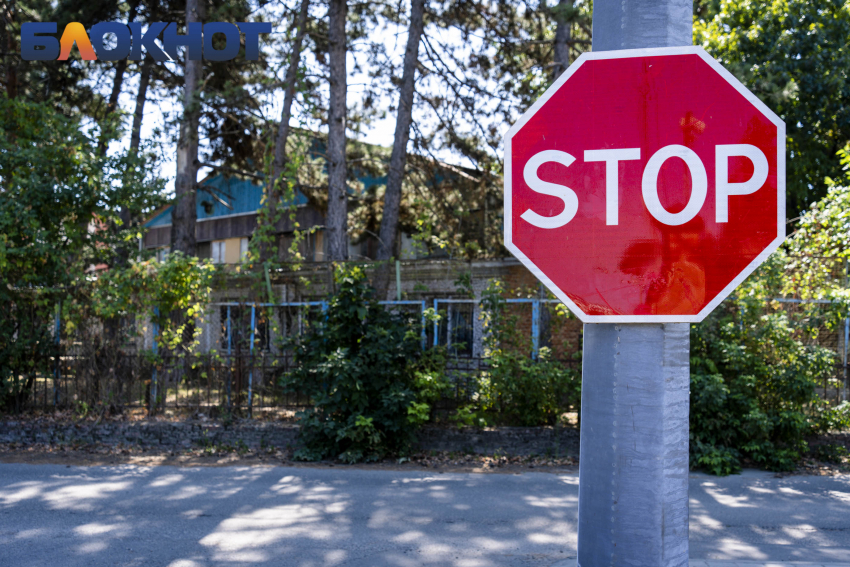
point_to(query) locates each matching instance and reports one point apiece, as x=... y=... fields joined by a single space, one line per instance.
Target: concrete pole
x=633 y=472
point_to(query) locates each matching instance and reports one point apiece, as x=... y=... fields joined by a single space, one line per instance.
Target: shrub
x=173 y=294
x=753 y=377
x=358 y=366
x=753 y=392
x=530 y=392
x=59 y=205
x=519 y=390
x=429 y=381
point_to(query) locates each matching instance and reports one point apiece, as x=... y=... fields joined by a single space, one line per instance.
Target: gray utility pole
x=633 y=473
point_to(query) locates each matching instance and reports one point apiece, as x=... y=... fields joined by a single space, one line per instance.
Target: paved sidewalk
x=133 y=516
x=719 y=563
x=709 y=563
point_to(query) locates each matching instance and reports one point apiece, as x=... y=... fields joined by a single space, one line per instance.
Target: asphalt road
x=53 y=515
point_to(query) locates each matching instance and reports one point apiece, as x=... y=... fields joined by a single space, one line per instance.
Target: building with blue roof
x=227 y=209
x=228 y=206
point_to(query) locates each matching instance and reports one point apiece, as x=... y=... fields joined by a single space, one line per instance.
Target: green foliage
x=279 y=203
x=517 y=389
x=831 y=453
x=529 y=392
x=833 y=419
x=790 y=53
x=753 y=391
x=173 y=294
x=753 y=375
x=466 y=416
x=817 y=255
x=429 y=381
x=358 y=366
x=59 y=202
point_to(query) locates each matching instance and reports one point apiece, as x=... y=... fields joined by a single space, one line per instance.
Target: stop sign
x=645 y=185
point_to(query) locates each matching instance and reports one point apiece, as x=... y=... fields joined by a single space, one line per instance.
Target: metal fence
x=233 y=326
x=243 y=360
x=243 y=356
x=836 y=387
x=207 y=383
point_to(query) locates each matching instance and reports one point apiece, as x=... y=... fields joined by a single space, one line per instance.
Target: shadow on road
x=254 y=516
x=130 y=515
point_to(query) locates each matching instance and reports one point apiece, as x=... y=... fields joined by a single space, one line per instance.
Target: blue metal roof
x=243 y=196
x=162 y=219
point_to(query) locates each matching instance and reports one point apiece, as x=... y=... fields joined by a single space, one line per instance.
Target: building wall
x=426 y=281
x=232 y=253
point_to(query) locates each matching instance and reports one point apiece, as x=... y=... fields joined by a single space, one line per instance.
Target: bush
x=429 y=381
x=358 y=366
x=753 y=378
x=519 y=390
x=753 y=392
x=59 y=207
x=528 y=392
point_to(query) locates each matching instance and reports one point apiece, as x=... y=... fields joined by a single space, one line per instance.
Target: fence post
x=846 y=331
x=398 y=280
x=57 y=337
x=152 y=407
x=535 y=328
x=251 y=372
x=436 y=324
x=846 y=341
x=449 y=327
x=229 y=362
x=424 y=334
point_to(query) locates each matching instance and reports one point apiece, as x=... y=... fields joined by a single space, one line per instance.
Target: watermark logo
x=39 y=41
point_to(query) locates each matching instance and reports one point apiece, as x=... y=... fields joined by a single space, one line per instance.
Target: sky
x=158 y=111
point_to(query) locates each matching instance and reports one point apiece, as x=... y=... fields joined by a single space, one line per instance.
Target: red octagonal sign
x=645 y=185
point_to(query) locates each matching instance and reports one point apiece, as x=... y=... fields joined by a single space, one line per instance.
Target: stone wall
x=151 y=434
x=559 y=442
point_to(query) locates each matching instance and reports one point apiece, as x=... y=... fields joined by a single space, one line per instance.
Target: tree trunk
x=141 y=99
x=275 y=189
x=122 y=254
x=337 y=218
x=11 y=60
x=562 y=38
x=388 y=235
x=117 y=83
x=398 y=159
x=184 y=215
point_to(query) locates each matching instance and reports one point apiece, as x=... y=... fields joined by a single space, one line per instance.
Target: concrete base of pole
x=633 y=471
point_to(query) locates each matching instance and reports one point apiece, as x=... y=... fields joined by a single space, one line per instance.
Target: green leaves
x=358 y=366
x=755 y=363
x=752 y=391
x=59 y=226
x=791 y=54
x=817 y=256
x=518 y=390
x=173 y=294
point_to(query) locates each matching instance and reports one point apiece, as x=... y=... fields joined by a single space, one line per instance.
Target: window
x=316 y=242
x=243 y=249
x=219 y=249
x=204 y=250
